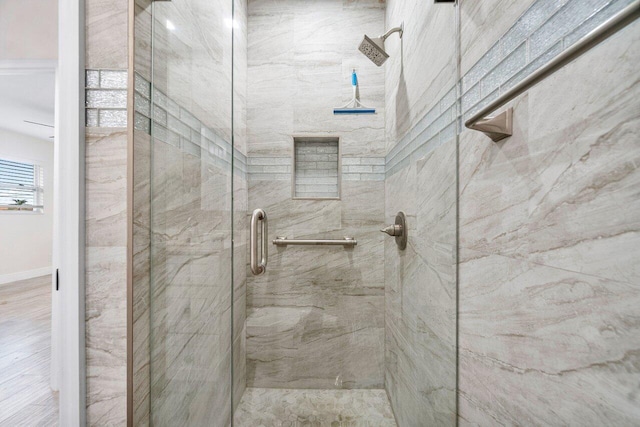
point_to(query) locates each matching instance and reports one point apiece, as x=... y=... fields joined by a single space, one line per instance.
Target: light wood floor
x=25 y=353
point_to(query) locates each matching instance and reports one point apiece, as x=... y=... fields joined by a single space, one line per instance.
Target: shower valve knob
x=398 y=230
x=393 y=230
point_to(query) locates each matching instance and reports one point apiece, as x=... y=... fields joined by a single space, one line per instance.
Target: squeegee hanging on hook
x=354 y=106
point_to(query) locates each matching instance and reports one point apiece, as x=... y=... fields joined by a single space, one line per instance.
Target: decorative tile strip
x=269 y=168
x=363 y=168
x=106 y=98
x=280 y=169
x=435 y=128
x=168 y=122
x=545 y=30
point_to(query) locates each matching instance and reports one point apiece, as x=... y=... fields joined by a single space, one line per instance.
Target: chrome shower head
x=374 y=48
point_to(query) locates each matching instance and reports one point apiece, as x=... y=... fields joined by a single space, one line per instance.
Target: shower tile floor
x=271 y=407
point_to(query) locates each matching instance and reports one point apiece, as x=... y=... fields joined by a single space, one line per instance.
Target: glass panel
x=368 y=332
x=327 y=334
x=183 y=164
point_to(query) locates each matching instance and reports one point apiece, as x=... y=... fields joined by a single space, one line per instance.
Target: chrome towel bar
x=283 y=241
x=500 y=126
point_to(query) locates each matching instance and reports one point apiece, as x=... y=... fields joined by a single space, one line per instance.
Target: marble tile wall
x=420 y=75
x=315 y=319
x=299 y=68
x=240 y=198
x=508 y=186
x=106 y=212
x=549 y=238
x=106 y=275
x=190 y=288
x=529 y=41
x=420 y=281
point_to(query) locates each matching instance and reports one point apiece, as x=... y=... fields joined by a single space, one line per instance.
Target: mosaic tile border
x=435 y=128
x=106 y=107
x=363 y=168
x=540 y=34
x=170 y=123
x=106 y=98
x=280 y=168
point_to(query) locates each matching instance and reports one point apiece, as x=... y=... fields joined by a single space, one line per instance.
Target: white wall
x=26 y=238
x=28 y=29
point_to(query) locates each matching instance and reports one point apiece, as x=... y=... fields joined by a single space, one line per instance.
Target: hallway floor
x=270 y=407
x=25 y=354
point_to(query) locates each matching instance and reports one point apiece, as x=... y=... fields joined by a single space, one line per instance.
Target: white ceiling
x=28 y=97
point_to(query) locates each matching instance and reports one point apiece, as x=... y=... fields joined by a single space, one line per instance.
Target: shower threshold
x=275 y=407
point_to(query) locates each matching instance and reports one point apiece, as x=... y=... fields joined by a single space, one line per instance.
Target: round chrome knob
x=398 y=230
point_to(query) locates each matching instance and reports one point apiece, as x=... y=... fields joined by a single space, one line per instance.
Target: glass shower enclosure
x=370 y=321
x=183 y=167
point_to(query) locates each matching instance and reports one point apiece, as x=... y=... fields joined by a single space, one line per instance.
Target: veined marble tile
x=422 y=66
x=106 y=335
x=141 y=276
x=420 y=317
x=300 y=59
x=317 y=310
x=541 y=345
x=188 y=59
x=191 y=319
x=105 y=294
x=332 y=307
x=548 y=243
x=483 y=23
x=106 y=34
x=314 y=347
x=142 y=38
x=270 y=37
x=270 y=130
x=568 y=188
x=190 y=297
x=106 y=175
x=287 y=407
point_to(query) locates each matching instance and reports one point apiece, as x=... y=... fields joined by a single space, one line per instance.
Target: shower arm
x=399 y=29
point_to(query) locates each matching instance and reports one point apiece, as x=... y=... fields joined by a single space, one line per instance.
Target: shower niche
x=316 y=168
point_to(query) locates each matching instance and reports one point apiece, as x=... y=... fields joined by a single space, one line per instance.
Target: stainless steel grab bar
x=283 y=241
x=261 y=267
x=500 y=126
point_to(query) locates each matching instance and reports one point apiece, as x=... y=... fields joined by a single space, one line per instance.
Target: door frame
x=70 y=251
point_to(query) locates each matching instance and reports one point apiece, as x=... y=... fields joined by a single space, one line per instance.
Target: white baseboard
x=23 y=275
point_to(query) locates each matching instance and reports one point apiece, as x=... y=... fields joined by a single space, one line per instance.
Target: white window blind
x=21 y=186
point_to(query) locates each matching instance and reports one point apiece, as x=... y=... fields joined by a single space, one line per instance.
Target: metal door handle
x=259 y=268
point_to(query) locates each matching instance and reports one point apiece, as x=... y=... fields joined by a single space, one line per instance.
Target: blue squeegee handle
x=354 y=78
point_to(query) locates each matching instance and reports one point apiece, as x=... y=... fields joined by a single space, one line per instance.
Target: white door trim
x=70 y=253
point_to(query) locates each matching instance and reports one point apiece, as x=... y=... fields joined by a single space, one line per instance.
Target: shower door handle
x=258 y=268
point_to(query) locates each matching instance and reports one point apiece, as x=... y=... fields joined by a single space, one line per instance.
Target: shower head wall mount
x=373 y=48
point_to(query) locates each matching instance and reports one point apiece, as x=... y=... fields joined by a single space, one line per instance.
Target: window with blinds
x=21 y=187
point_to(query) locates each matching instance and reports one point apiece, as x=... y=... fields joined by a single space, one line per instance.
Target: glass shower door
x=191 y=219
